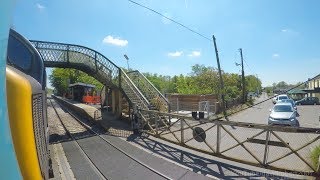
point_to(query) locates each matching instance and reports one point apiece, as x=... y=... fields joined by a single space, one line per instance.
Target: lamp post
x=127 y=58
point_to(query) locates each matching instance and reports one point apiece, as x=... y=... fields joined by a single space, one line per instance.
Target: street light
x=125 y=56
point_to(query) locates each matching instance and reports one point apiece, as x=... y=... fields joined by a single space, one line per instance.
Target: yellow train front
x=26 y=100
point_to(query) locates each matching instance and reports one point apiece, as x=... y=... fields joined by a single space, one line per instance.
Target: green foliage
x=204 y=80
x=201 y=80
x=315 y=153
x=253 y=84
x=61 y=78
x=49 y=91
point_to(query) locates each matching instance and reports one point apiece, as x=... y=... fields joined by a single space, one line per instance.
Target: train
x=84 y=93
x=27 y=107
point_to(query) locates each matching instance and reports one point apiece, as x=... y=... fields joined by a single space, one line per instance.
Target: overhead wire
x=205 y=37
x=170 y=19
x=180 y=24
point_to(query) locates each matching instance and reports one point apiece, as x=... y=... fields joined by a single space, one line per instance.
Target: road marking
x=63 y=164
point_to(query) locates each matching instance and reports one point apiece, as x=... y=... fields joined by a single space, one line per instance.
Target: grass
x=315 y=153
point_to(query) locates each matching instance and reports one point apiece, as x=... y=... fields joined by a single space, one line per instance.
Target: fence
x=280 y=148
x=205 y=103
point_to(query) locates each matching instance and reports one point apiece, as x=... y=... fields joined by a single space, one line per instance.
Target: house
x=296 y=94
x=313 y=87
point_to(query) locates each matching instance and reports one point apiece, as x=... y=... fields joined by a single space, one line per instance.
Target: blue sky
x=280 y=38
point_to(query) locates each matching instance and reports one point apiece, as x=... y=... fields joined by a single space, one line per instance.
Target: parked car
x=308 y=101
x=291 y=101
x=283 y=114
x=279 y=98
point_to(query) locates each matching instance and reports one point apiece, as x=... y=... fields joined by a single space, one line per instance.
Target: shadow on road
x=200 y=164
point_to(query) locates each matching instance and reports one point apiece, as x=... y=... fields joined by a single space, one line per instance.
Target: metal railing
x=132 y=92
x=79 y=57
x=156 y=99
x=274 y=147
x=93 y=63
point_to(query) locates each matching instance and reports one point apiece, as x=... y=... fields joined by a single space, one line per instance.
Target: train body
x=26 y=101
x=84 y=93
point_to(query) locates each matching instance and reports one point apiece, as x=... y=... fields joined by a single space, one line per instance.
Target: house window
x=310 y=85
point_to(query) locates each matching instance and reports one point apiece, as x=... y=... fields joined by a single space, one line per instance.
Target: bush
x=250 y=102
x=315 y=153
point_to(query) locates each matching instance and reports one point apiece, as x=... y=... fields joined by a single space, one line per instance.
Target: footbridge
x=137 y=89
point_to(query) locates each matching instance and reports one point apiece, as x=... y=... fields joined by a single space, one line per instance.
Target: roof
x=82 y=84
x=296 y=91
x=282 y=95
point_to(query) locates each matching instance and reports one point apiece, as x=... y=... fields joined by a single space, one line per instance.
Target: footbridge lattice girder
x=95 y=64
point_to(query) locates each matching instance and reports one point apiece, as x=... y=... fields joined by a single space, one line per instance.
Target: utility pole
x=220 y=77
x=244 y=99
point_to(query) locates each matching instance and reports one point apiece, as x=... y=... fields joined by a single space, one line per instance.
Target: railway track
x=77 y=129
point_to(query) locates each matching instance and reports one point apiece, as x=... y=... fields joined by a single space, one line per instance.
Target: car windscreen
x=282 y=108
x=289 y=101
x=283 y=97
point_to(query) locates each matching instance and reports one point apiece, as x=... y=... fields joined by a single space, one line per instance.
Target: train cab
x=26 y=101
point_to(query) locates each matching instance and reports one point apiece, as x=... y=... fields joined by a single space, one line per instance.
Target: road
x=309 y=114
x=286 y=150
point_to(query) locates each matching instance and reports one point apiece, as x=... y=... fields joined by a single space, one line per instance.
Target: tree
x=61 y=78
x=253 y=84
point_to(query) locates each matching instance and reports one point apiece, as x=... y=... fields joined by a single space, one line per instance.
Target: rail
x=94 y=131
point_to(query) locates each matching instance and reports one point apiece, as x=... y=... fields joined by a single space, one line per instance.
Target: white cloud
x=115 y=41
x=175 y=54
x=290 y=31
x=195 y=54
x=275 y=55
x=40 y=7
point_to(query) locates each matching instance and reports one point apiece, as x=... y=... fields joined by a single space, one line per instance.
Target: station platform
x=111 y=123
x=92 y=112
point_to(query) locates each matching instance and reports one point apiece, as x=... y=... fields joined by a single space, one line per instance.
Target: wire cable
x=172 y=20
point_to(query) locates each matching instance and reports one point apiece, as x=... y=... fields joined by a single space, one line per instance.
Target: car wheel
x=315 y=104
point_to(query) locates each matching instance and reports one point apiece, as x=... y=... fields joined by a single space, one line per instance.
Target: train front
x=26 y=100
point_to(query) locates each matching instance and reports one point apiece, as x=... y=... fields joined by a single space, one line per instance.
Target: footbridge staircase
x=137 y=89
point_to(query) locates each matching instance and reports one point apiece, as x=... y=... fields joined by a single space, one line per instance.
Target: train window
x=18 y=54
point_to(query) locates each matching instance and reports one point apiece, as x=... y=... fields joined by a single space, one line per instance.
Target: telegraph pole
x=220 y=77
x=243 y=79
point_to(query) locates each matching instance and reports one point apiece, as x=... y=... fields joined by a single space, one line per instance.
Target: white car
x=283 y=114
x=279 y=98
